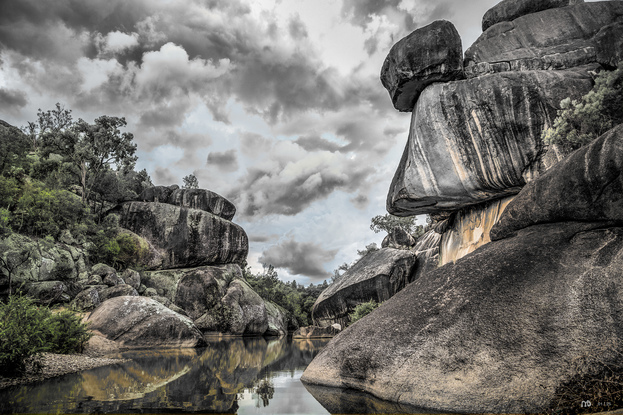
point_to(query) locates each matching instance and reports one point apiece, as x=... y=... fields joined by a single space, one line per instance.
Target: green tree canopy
x=388 y=222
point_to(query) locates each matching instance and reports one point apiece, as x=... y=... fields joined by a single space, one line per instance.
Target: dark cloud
x=360 y=201
x=262 y=238
x=12 y=100
x=289 y=188
x=226 y=161
x=162 y=176
x=299 y=258
x=315 y=143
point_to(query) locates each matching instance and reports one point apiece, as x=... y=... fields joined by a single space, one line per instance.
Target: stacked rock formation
x=530 y=282
x=193 y=264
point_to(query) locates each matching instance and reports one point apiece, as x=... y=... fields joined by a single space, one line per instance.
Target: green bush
x=67 y=333
x=363 y=310
x=27 y=330
x=580 y=122
x=23 y=334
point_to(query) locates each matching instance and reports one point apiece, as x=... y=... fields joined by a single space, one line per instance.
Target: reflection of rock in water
x=349 y=401
x=180 y=380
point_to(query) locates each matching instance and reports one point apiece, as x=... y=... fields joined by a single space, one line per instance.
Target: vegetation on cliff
x=581 y=121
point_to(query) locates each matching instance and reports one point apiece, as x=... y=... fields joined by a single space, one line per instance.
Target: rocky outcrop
x=429 y=54
x=470 y=228
x=142 y=322
x=478 y=335
x=471 y=141
x=427 y=249
x=185 y=237
x=200 y=199
x=377 y=276
x=508 y=10
x=557 y=38
x=219 y=300
x=586 y=186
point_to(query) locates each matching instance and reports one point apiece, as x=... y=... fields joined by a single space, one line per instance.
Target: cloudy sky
x=274 y=104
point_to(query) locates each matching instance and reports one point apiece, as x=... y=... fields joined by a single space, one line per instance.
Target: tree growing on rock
x=581 y=121
x=388 y=222
x=190 y=182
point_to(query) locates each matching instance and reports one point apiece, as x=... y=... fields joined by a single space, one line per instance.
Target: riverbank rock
x=557 y=38
x=277 y=320
x=186 y=237
x=474 y=140
x=377 y=276
x=509 y=10
x=136 y=322
x=477 y=336
x=586 y=186
x=429 y=54
x=200 y=199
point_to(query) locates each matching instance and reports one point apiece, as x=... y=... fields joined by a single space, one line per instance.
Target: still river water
x=241 y=375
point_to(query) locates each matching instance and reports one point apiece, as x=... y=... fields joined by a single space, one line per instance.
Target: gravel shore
x=59 y=364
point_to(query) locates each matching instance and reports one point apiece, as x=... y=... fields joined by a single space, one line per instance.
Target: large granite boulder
x=557 y=38
x=138 y=322
x=609 y=45
x=245 y=308
x=377 y=276
x=508 y=10
x=200 y=199
x=496 y=332
x=186 y=237
x=474 y=140
x=586 y=186
x=430 y=54
x=277 y=319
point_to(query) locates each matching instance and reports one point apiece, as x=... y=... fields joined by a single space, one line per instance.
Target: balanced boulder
x=429 y=54
x=201 y=199
x=474 y=140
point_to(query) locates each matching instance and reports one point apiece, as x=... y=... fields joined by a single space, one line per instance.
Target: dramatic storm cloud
x=275 y=104
x=299 y=258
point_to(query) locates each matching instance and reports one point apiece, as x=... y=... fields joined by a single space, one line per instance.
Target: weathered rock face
x=218 y=300
x=470 y=229
x=201 y=289
x=609 y=45
x=143 y=322
x=551 y=39
x=187 y=237
x=377 y=276
x=200 y=199
x=427 y=250
x=398 y=238
x=471 y=141
x=118 y=290
x=508 y=10
x=477 y=336
x=586 y=186
x=46 y=261
x=430 y=54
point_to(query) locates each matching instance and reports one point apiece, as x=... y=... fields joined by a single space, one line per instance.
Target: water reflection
x=227 y=376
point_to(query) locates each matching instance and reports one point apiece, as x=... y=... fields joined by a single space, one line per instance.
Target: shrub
x=580 y=122
x=67 y=333
x=27 y=330
x=23 y=334
x=363 y=310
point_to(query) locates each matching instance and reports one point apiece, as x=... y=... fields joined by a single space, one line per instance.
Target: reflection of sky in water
x=290 y=397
